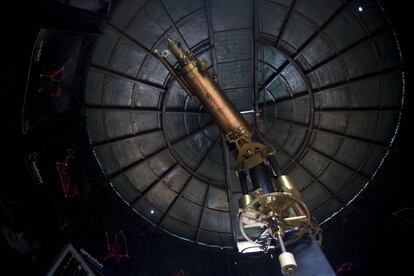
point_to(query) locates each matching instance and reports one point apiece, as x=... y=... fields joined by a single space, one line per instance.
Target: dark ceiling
x=326 y=86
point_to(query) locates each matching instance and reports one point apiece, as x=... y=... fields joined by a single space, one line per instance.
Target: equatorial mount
x=273 y=214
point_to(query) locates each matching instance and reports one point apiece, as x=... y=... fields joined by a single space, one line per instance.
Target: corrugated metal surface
x=324 y=76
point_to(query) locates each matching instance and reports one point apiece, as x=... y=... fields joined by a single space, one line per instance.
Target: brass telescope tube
x=255 y=160
x=197 y=81
x=213 y=98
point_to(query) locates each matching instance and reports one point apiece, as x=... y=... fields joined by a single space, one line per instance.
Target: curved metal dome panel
x=320 y=79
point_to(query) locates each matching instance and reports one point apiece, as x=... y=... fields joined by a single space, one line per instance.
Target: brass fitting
x=285 y=184
x=245 y=200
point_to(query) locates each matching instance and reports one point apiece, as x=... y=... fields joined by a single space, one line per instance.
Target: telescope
x=271 y=213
